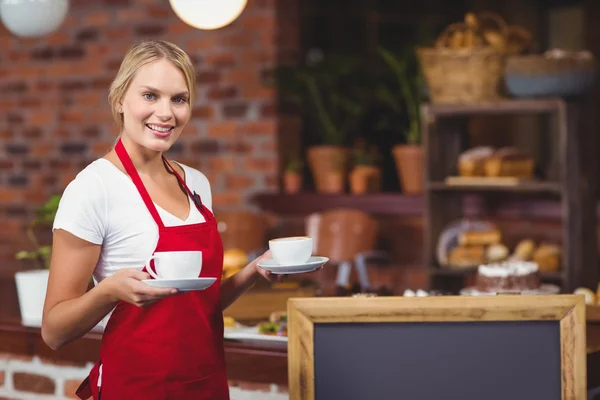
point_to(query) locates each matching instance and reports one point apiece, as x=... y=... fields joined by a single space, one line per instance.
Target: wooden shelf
x=402 y=205
x=576 y=207
x=504 y=106
x=524 y=187
x=308 y=202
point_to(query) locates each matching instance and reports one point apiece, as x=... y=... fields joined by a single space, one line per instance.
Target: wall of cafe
x=55 y=116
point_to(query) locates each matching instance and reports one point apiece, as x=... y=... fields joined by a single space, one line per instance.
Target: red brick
x=203 y=112
x=259 y=128
x=222 y=164
x=239 y=182
x=260 y=164
x=158 y=11
x=222 y=93
x=33 y=383
x=208 y=77
x=130 y=15
x=222 y=130
x=240 y=76
x=221 y=60
x=99 y=19
x=257 y=91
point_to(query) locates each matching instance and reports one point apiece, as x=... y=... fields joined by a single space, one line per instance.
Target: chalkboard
x=429 y=361
x=443 y=347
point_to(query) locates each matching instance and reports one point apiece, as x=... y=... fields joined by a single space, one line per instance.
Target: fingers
x=139 y=275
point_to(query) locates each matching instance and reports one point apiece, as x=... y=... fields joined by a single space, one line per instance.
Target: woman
x=113 y=216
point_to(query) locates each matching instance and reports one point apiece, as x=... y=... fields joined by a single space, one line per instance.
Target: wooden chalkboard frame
x=304 y=313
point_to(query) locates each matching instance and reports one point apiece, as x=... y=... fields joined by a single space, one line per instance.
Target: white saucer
x=310 y=265
x=183 y=285
x=543 y=289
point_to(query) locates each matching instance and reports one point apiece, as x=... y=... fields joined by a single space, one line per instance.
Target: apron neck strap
x=193 y=195
x=137 y=181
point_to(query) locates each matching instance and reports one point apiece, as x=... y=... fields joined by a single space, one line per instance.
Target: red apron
x=172 y=349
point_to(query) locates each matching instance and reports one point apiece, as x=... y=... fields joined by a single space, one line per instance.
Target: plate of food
x=271 y=333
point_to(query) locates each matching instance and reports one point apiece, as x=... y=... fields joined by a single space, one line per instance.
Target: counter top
x=244 y=363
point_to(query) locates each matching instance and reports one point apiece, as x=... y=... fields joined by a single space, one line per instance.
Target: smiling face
x=156 y=106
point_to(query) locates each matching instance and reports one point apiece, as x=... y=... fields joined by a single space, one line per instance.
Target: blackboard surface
x=439 y=360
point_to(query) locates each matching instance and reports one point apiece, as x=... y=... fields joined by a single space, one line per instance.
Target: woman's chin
x=159 y=144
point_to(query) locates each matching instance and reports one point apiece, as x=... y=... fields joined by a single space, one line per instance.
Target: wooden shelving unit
x=570 y=184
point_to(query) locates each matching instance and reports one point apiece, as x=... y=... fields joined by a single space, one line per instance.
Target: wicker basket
x=467 y=63
x=462 y=75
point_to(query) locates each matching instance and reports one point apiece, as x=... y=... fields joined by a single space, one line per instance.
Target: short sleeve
x=82 y=208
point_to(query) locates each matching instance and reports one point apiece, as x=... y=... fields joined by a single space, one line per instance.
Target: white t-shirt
x=102 y=205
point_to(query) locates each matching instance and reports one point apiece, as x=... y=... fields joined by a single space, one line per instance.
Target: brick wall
x=54 y=117
x=25 y=378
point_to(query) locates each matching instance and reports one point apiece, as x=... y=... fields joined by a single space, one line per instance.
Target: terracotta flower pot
x=365 y=179
x=332 y=182
x=410 y=164
x=292 y=182
x=323 y=160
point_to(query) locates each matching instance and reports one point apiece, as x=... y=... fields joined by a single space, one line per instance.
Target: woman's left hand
x=271 y=277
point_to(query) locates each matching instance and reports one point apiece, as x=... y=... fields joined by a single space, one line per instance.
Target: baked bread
x=588 y=295
x=471 y=162
x=547 y=256
x=524 y=250
x=480 y=238
x=466 y=256
x=496 y=253
x=509 y=162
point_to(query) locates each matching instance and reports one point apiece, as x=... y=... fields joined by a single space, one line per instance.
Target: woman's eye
x=149 y=96
x=180 y=100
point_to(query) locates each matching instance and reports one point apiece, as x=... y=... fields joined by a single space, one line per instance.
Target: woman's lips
x=160 y=133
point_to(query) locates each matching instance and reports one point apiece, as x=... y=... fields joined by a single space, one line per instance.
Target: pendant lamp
x=208 y=14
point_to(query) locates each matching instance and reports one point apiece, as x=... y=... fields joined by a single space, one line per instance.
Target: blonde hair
x=141 y=54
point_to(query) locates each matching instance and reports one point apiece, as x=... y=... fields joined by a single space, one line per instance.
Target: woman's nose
x=164 y=111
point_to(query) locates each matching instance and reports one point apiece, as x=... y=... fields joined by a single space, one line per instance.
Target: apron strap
x=137 y=181
x=193 y=195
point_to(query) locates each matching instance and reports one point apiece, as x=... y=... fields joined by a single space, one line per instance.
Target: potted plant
x=325 y=89
x=405 y=100
x=365 y=176
x=292 y=176
x=31 y=284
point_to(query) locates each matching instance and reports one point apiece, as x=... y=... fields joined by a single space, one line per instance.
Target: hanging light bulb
x=33 y=18
x=208 y=14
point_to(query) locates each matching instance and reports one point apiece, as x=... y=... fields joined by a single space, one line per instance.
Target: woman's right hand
x=126 y=285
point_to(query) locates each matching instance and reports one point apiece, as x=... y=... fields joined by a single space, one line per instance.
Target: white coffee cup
x=175 y=264
x=291 y=250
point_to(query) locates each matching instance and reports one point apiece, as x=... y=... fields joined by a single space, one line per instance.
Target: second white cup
x=291 y=250
x=175 y=264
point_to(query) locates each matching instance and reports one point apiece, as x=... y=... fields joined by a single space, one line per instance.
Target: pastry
x=471 y=162
x=466 y=256
x=589 y=295
x=547 y=256
x=496 y=252
x=509 y=162
x=524 y=250
x=480 y=238
x=233 y=261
